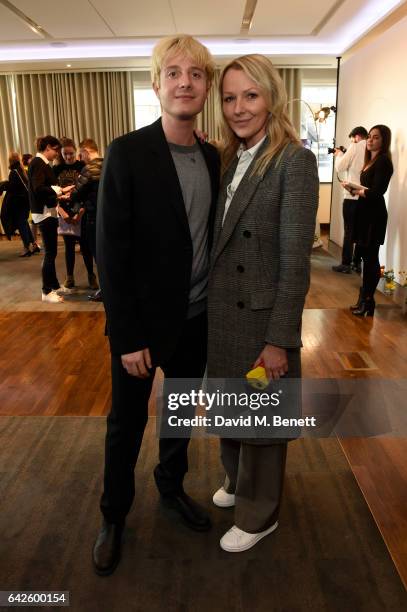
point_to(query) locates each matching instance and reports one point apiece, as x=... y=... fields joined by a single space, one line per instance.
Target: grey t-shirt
x=195 y=184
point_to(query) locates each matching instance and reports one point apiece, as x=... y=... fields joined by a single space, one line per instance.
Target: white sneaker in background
x=223 y=499
x=236 y=540
x=52 y=297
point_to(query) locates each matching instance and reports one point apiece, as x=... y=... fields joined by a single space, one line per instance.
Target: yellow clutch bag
x=257 y=378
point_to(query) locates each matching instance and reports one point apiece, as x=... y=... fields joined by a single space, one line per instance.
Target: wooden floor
x=54 y=361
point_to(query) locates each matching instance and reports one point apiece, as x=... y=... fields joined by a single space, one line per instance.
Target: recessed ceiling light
x=68 y=65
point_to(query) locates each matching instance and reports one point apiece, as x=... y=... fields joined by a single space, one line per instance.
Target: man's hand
x=338 y=152
x=274 y=361
x=138 y=363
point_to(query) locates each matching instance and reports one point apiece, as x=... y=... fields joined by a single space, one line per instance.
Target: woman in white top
x=43 y=194
x=259 y=276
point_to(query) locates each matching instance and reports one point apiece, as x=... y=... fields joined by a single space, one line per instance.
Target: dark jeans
x=70 y=242
x=90 y=233
x=21 y=222
x=371 y=268
x=128 y=418
x=48 y=229
x=349 y=255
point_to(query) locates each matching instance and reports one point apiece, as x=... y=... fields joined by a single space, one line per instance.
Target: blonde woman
x=260 y=271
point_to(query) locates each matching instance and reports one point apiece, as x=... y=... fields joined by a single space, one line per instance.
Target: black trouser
x=49 y=233
x=21 y=222
x=91 y=235
x=128 y=418
x=349 y=255
x=371 y=268
x=70 y=242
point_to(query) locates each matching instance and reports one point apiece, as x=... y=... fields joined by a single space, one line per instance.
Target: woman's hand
x=274 y=361
x=62 y=213
x=202 y=136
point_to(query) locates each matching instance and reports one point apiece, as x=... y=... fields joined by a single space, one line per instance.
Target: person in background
x=350 y=164
x=18 y=202
x=86 y=191
x=26 y=159
x=72 y=213
x=43 y=196
x=68 y=170
x=259 y=275
x=371 y=213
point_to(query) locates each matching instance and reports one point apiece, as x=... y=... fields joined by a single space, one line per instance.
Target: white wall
x=324 y=207
x=373 y=89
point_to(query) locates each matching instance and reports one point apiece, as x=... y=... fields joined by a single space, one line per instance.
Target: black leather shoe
x=188 y=510
x=96 y=297
x=107 y=549
x=366 y=308
x=342 y=268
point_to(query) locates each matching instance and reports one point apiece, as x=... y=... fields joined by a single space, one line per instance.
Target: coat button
x=240 y=304
x=240 y=268
x=247 y=234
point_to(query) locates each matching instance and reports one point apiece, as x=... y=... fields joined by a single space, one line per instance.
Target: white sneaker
x=236 y=540
x=65 y=290
x=52 y=297
x=223 y=499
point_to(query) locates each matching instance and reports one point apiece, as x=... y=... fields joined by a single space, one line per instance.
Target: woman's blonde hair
x=181 y=43
x=13 y=158
x=279 y=128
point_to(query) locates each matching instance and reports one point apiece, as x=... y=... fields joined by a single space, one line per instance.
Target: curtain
x=77 y=105
x=207 y=121
x=8 y=140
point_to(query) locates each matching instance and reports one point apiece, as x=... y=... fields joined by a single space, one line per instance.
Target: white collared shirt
x=47 y=212
x=349 y=165
x=246 y=157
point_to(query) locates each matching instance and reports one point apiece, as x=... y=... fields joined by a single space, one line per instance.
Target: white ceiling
x=289 y=17
x=87 y=33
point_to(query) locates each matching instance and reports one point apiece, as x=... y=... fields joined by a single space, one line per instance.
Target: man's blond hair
x=181 y=43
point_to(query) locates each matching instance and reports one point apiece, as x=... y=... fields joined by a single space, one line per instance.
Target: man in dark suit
x=156 y=200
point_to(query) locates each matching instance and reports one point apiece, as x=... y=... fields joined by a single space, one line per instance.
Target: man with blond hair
x=156 y=201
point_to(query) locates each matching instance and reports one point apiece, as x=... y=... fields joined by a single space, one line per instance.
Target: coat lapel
x=213 y=165
x=243 y=195
x=167 y=173
x=227 y=178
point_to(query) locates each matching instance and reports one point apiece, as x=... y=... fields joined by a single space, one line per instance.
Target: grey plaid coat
x=260 y=263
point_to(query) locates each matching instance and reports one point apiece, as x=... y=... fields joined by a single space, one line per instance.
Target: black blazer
x=18 y=188
x=371 y=211
x=144 y=246
x=40 y=178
